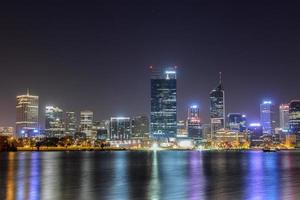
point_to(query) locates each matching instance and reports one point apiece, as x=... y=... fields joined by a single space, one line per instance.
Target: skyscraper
x=217 y=107
x=284 y=116
x=267 y=117
x=86 y=123
x=140 y=127
x=194 y=123
x=237 y=122
x=163 y=122
x=70 y=123
x=27 y=115
x=54 y=121
x=120 y=128
x=294 y=120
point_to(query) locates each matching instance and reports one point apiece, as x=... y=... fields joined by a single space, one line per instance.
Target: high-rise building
x=284 y=116
x=294 y=120
x=217 y=107
x=70 y=123
x=237 y=122
x=54 y=121
x=27 y=121
x=140 y=127
x=86 y=123
x=163 y=122
x=120 y=128
x=267 y=117
x=256 y=134
x=194 y=123
x=181 y=129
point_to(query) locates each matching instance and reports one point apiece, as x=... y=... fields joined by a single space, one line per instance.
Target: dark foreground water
x=150 y=175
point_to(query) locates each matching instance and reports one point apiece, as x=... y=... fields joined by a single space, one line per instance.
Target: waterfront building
x=225 y=138
x=284 y=116
x=70 y=123
x=102 y=134
x=294 y=120
x=267 y=117
x=120 y=128
x=256 y=134
x=86 y=123
x=237 y=122
x=140 y=127
x=54 y=121
x=163 y=121
x=206 y=131
x=217 y=107
x=181 y=129
x=6 y=131
x=27 y=115
x=194 y=123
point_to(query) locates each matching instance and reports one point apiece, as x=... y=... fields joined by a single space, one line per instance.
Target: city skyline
x=204 y=119
x=81 y=61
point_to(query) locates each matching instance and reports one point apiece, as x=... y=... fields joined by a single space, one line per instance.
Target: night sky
x=95 y=54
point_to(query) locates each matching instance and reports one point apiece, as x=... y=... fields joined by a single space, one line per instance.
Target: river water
x=150 y=175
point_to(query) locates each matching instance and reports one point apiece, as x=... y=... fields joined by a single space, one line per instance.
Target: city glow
x=254 y=124
x=170 y=72
x=267 y=102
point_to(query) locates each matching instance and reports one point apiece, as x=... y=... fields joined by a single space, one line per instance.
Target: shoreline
x=69 y=149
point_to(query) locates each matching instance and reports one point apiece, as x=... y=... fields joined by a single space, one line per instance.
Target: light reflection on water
x=150 y=175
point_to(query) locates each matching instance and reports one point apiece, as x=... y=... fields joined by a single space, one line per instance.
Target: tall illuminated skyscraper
x=54 y=121
x=194 y=123
x=27 y=115
x=267 y=117
x=294 y=120
x=284 y=116
x=86 y=123
x=217 y=107
x=70 y=123
x=163 y=122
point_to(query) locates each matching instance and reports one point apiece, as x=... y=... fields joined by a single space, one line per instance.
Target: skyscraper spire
x=220 y=78
x=27 y=91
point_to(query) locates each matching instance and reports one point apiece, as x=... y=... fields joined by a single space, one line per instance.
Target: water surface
x=150 y=175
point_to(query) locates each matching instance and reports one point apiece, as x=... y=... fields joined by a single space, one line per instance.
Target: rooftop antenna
x=220 y=78
x=27 y=91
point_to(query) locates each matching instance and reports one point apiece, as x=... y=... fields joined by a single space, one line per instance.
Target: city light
x=267 y=102
x=254 y=124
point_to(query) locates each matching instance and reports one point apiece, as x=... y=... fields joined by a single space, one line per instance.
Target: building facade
x=284 y=116
x=54 y=121
x=237 y=122
x=70 y=123
x=294 y=120
x=120 y=128
x=267 y=117
x=163 y=120
x=140 y=127
x=217 y=108
x=86 y=123
x=256 y=134
x=27 y=115
x=194 y=123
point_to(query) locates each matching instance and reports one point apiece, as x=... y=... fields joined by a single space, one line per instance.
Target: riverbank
x=128 y=149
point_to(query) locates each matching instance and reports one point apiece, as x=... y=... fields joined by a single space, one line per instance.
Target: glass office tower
x=163 y=120
x=194 y=123
x=294 y=120
x=27 y=114
x=267 y=117
x=217 y=107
